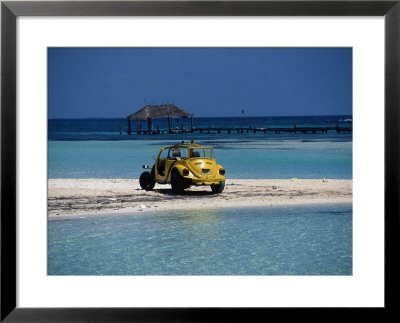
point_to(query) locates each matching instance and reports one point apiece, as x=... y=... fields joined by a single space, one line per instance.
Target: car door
x=161 y=170
x=173 y=157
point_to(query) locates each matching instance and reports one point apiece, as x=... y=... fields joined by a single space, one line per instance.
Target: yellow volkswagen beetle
x=184 y=165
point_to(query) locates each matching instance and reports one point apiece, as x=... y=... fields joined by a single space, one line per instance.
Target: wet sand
x=76 y=197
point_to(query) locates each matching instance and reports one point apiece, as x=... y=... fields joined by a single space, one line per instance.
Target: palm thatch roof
x=158 y=112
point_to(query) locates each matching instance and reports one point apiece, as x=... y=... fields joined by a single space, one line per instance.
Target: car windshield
x=175 y=152
x=184 y=152
x=202 y=152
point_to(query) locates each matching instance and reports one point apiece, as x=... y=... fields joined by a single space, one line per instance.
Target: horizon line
x=254 y=116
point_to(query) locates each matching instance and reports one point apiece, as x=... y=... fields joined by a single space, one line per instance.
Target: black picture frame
x=10 y=10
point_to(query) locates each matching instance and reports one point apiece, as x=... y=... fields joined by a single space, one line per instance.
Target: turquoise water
x=295 y=240
x=295 y=157
x=306 y=240
x=94 y=148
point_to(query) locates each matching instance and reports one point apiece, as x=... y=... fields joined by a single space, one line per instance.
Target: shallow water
x=93 y=148
x=301 y=158
x=295 y=240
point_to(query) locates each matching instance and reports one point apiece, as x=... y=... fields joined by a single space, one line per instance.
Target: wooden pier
x=170 y=111
x=241 y=130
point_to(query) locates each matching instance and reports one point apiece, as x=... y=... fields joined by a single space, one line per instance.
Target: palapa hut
x=151 y=112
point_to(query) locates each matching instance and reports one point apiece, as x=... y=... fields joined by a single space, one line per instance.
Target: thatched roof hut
x=151 y=112
x=158 y=112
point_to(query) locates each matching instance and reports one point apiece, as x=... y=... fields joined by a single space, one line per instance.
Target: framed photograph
x=162 y=158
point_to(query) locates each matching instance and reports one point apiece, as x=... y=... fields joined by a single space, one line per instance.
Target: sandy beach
x=75 y=197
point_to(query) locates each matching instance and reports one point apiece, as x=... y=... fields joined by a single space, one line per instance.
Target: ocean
x=94 y=148
x=280 y=240
x=295 y=240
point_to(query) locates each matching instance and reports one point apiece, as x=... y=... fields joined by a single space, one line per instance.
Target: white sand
x=74 y=197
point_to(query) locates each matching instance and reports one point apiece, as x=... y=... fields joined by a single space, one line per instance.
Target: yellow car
x=184 y=165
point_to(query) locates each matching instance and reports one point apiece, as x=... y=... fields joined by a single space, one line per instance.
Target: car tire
x=177 y=184
x=147 y=181
x=218 y=188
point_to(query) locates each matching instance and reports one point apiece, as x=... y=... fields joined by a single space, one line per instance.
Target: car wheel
x=218 y=188
x=147 y=181
x=177 y=184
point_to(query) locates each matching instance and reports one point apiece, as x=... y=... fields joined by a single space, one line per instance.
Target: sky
x=209 y=82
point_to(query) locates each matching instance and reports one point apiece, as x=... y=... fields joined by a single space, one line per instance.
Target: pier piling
x=239 y=130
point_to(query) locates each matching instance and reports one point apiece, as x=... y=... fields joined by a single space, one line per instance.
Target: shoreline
x=75 y=198
x=131 y=211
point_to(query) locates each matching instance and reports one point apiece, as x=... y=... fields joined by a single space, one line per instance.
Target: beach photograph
x=200 y=161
